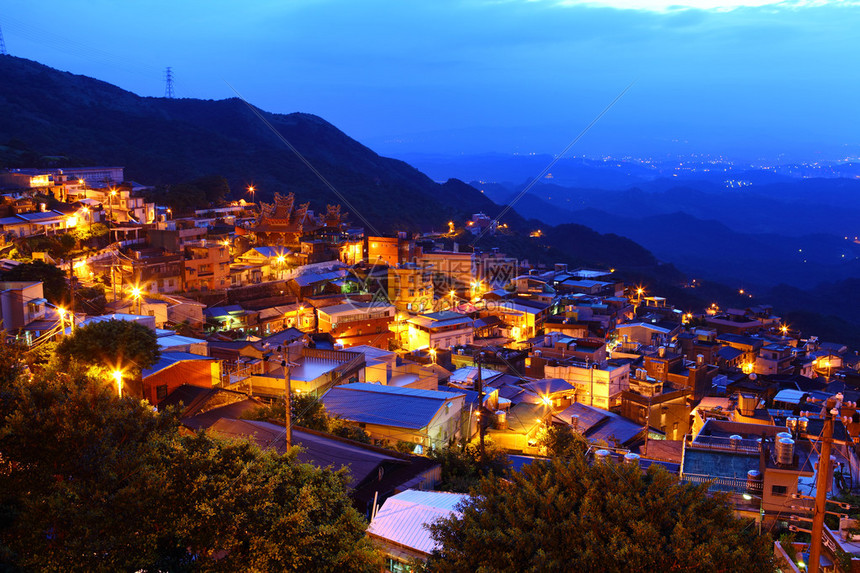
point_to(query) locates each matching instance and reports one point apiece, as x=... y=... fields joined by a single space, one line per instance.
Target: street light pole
x=479 y=383
x=118 y=377
x=288 y=392
x=749 y=496
x=821 y=488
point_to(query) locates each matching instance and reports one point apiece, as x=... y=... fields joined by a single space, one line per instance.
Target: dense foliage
x=307 y=411
x=54 y=285
x=199 y=193
x=113 y=344
x=462 y=467
x=91 y=482
x=561 y=442
x=567 y=515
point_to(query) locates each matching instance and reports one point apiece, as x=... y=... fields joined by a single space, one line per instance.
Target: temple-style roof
x=285 y=217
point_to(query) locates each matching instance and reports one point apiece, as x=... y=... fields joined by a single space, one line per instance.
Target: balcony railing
x=725 y=484
x=725 y=444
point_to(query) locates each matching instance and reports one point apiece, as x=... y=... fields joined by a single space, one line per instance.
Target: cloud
x=712 y=5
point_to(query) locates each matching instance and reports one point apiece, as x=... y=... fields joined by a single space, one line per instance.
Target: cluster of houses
x=423 y=345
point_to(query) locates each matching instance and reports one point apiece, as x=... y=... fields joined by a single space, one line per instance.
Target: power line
x=168 y=83
x=3 y=51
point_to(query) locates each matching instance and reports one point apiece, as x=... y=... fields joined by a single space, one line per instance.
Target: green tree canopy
x=53 y=279
x=561 y=441
x=114 y=344
x=462 y=468
x=92 y=482
x=199 y=193
x=567 y=515
x=307 y=411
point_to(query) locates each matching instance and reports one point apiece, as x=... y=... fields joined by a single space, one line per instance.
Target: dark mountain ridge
x=167 y=141
x=163 y=141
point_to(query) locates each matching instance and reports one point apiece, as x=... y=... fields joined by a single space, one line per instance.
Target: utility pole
x=168 y=83
x=72 y=291
x=821 y=488
x=590 y=382
x=288 y=392
x=479 y=386
x=647 y=425
x=288 y=423
x=3 y=51
x=113 y=263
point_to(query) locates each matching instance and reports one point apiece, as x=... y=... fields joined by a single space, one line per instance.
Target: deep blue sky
x=744 y=78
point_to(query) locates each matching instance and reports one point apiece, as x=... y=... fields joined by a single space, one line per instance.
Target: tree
x=91 y=300
x=114 y=344
x=568 y=515
x=561 y=441
x=90 y=481
x=53 y=279
x=214 y=187
x=85 y=232
x=462 y=468
x=307 y=411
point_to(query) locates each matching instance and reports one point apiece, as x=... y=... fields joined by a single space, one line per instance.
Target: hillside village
x=426 y=341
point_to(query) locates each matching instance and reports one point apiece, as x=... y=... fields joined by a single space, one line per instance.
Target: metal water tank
x=501 y=420
x=631 y=458
x=802 y=423
x=602 y=456
x=791 y=423
x=754 y=482
x=785 y=451
x=735 y=440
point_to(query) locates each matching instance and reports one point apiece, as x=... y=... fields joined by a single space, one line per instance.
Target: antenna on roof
x=3 y=51
x=168 y=83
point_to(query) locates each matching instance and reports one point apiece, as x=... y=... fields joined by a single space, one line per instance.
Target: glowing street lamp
x=750 y=497
x=138 y=295
x=62 y=312
x=251 y=190
x=298 y=310
x=111 y=195
x=117 y=375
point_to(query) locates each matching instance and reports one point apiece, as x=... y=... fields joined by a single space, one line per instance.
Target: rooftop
x=402 y=519
x=386 y=405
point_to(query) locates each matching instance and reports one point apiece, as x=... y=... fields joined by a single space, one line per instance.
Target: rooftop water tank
x=785 y=451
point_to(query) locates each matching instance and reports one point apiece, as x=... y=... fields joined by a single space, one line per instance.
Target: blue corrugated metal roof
x=549 y=386
x=403 y=517
x=168 y=359
x=385 y=405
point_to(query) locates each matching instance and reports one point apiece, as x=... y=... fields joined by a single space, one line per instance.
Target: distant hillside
x=166 y=141
x=789 y=207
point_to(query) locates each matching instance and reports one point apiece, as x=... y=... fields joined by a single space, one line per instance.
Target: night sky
x=732 y=77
